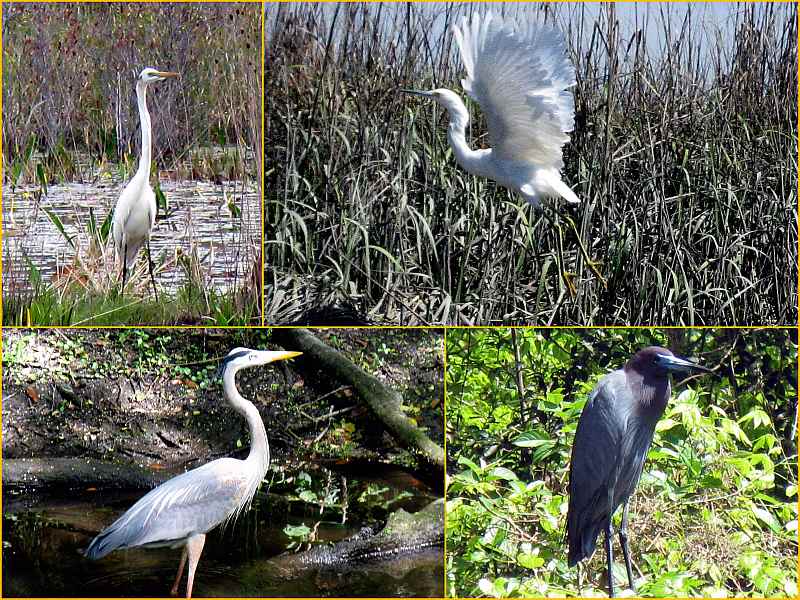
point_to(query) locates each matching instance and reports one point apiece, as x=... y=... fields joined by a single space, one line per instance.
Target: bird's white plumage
x=520 y=76
x=135 y=212
x=134 y=218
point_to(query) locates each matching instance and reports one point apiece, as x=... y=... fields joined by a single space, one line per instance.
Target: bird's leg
x=150 y=268
x=623 y=541
x=610 y=558
x=124 y=268
x=592 y=264
x=194 y=546
x=566 y=276
x=174 y=591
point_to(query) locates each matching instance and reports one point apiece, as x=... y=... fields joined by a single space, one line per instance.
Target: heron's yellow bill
x=167 y=74
x=285 y=355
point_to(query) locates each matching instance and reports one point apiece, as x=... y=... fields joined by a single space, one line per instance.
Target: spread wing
x=520 y=76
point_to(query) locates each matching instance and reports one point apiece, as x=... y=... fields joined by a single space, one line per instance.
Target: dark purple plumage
x=611 y=443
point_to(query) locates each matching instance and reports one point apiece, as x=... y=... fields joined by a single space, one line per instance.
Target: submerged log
x=403 y=534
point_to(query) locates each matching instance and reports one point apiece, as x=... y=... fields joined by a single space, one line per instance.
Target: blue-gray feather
x=611 y=443
x=191 y=503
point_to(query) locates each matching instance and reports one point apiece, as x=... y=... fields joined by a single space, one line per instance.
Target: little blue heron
x=614 y=434
x=135 y=213
x=520 y=75
x=179 y=512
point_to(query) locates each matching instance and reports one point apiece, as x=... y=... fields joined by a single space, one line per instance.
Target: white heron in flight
x=520 y=76
x=135 y=213
x=179 y=512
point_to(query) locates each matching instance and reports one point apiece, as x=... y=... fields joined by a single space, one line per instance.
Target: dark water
x=43 y=535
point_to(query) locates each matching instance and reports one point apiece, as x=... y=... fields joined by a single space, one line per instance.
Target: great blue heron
x=520 y=76
x=135 y=213
x=179 y=512
x=614 y=434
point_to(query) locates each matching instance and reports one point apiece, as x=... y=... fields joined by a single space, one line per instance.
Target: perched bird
x=520 y=76
x=179 y=512
x=614 y=434
x=135 y=213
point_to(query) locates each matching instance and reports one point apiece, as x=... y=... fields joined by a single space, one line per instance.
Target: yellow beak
x=284 y=355
x=166 y=74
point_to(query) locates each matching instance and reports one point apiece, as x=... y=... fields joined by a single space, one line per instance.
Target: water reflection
x=44 y=533
x=221 y=221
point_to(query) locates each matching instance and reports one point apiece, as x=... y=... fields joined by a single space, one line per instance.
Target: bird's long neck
x=468 y=158
x=653 y=391
x=259 y=446
x=144 y=120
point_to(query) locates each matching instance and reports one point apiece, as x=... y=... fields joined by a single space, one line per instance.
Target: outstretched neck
x=471 y=160
x=144 y=121
x=259 y=446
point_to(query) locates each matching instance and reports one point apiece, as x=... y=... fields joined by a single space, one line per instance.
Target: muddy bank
x=93 y=418
x=150 y=399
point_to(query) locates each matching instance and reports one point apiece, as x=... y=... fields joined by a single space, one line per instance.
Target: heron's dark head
x=660 y=362
x=242 y=358
x=150 y=75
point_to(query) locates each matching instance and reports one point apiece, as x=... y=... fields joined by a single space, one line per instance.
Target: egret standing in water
x=614 y=434
x=135 y=213
x=520 y=76
x=180 y=512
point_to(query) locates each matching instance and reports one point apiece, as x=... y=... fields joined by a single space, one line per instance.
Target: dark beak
x=417 y=93
x=674 y=363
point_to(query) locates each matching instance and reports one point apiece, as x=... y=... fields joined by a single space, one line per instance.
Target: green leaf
x=503 y=473
x=56 y=221
x=530 y=560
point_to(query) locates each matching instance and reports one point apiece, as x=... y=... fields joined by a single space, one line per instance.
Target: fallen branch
x=384 y=402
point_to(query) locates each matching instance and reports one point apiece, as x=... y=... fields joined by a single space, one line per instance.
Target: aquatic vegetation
x=73 y=149
x=685 y=160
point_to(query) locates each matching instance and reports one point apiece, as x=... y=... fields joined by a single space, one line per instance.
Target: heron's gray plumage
x=179 y=512
x=614 y=434
x=193 y=502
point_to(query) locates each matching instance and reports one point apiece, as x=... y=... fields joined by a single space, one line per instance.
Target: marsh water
x=219 y=223
x=43 y=534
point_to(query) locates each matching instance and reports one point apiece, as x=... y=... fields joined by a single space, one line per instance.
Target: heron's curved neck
x=144 y=120
x=468 y=158
x=653 y=392
x=259 y=446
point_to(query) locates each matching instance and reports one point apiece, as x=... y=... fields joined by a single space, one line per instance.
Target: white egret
x=135 y=213
x=179 y=512
x=520 y=76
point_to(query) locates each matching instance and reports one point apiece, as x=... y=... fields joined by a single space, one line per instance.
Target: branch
x=384 y=402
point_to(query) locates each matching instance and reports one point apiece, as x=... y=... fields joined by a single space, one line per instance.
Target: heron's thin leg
x=124 y=268
x=610 y=557
x=566 y=276
x=174 y=591
x=194 y=546
x=623 y=541
x=150 y=268
x=592 y=264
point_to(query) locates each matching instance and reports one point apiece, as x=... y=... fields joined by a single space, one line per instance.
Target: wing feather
x=520 y=76
x=193 y=502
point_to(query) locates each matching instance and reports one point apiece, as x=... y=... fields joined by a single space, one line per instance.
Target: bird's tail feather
x=562 y=189
x=105 y=543
x=582 y=543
